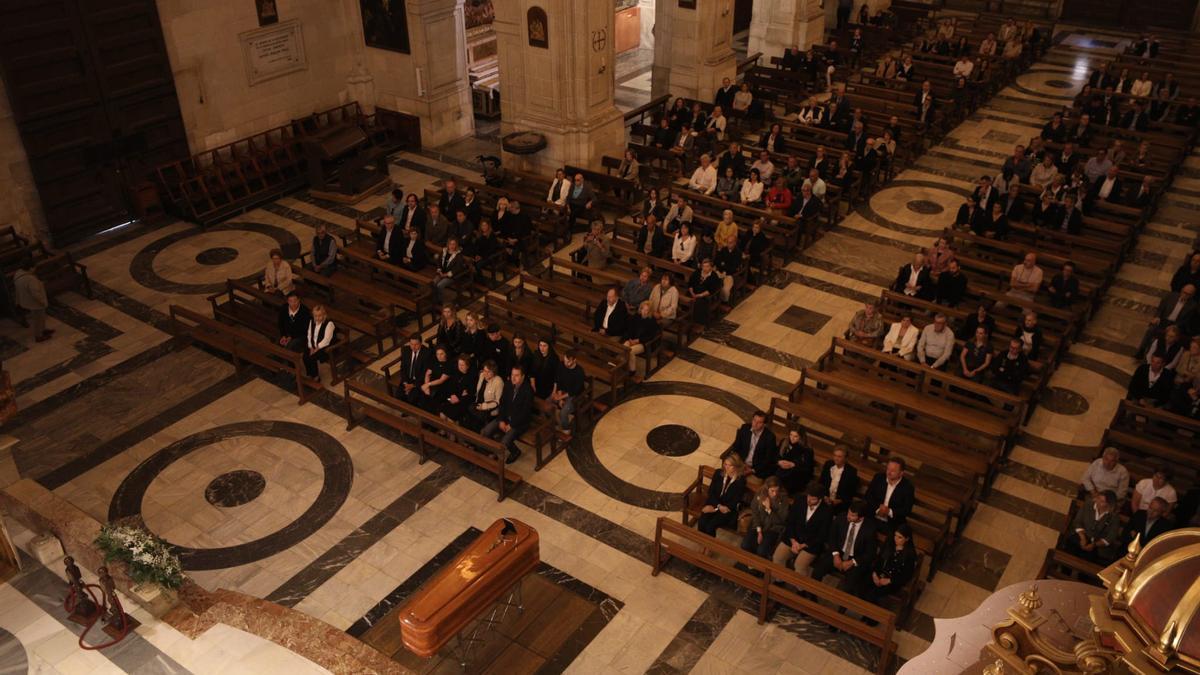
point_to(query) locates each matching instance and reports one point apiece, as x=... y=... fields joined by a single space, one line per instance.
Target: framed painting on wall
x=385 y=25
x=267 y=14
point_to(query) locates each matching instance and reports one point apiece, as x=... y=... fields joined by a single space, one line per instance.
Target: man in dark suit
x=451 y=202
x=611 y=317
x=1014 y=204
x=1172 y=309
x=920 y=96
x=412 y=216
x=914 y=280
x=293 y=324
x=755 y=443
x=891 y=495
x=732 y=158
x=985 y=195
x=806 y=533
x=856 y=140
x=807 y=206
x=414 y=361
x=451 y=266
x=851 y=547
x=839 y=480
x=1151 y=383
x=1108 y=189
x=389 y=241
x=1067 y=159
x=516 y=409
x=1144 y=194
x=1148 y=523
x=724 y=95
x=1095 y=533
x=1070 y=220
x=1081 y=133
x=580 y=199
x=1136 y=119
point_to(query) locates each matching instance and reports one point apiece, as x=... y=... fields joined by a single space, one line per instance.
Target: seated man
x=1106 y=473
x=704 y=178
x=569 y=381
x=1009 y=369
x=951 y=285
x=515 y=412
x=703 y=287
x=451 y=265
x=1026 y=278
x=293 y=324
x=611 y=317
x=806 y=533
x=839 y=480
x=1095 y=533
x=324 y=250
x=756 y=442
x=867 y=326
x=1151 y=383
x=936 y=344
x=389 y=241
x=851 y=547
x=1147 y=523
x=414 y=361
x=891 y=495
x=581 y=199
x=1064 y=286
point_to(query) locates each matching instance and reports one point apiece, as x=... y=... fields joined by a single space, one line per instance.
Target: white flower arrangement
x=148 y=558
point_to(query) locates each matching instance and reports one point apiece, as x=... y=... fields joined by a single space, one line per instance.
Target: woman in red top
x=779 y=197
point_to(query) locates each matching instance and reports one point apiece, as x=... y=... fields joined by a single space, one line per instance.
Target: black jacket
x=617 y=323
x=903 y=498
x=1139 y=385
x=765 y=453
x=1137 y=121
x=418 y=219
x=951 y=288
x=733 y=494
x=395 y=247
x=412 y=371
x=454 y=267
x=420 y=255
x=516 y=406
x=1137 y=526
x=812 y=532
x=1063 y=291
x=865 y=544
x=643 y=329
x=294 y=327
x=924 y=282
x=847 y=487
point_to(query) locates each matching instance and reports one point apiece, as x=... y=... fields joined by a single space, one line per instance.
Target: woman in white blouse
x=1142 y=86
x=742 y=99
x=752 y=189
x=320 y=336
x=1158 y=485
x=684 y=246
x=278 y=276
x=901 y=339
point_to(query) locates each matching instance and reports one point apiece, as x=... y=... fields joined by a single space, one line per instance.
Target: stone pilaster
x=561 y=86
x=692 y=48
x=780 y=24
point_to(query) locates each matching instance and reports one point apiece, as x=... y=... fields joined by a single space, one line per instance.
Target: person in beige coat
x=901 y=339
x=278 y=276
x=664 y=300
x=30 y=295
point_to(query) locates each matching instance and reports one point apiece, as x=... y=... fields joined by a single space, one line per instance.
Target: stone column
x=781 y=24
x=692 y=48
x=431 y=82
x=557 y=78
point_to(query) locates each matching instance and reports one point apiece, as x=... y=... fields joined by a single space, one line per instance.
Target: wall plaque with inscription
x=273 y=51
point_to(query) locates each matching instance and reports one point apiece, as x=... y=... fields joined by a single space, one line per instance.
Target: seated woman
x=664 y=299
x=743 y=99
x=278 y=276
x=981 y=317
x=751 y=191
x=755 y=248
x=727 y=230
x=433 y=389
x=320 y=336
x=416 y=255
x=729 y=187
x=724 y=497
x=474 y=339
x=970 y=216
x=795 y=462
x=901 y=339
x=450 y=331
x=684 y=245
x=458 y=390
x=894 y=567
x=996 y=223
x=768 y=516
x=976 y=356
x=541 y=373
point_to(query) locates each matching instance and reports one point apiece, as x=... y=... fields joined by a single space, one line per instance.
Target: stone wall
x=20 y=205
x=217 y=102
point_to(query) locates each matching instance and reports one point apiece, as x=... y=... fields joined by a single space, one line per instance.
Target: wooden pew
x=1066 y=567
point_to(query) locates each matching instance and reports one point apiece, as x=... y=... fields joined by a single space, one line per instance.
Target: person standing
x=30 y=295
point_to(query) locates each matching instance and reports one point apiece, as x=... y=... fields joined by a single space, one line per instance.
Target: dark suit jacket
x=903 y=498
x=1138 y=121
x=585 y=195
x=420 y=256
x=616 y=323
x=993 y=196
x=780 y=142
x=1139 y=385
x=976 y=221
x=455 y=267
x=732 y=497
x=395 y=249
x=414 y=372
x=1137 y=525
x=418 y=219
x=814 y=532
x=1114 y=195
x=516 y=406
x=1016 y=211
x=450 y=205
x=294 y=327
x=805 y=211
x=765 y=453
x=1167 y=304
x=865 y=544
x=1073 y=221
x=924 y=280
x=847 y=487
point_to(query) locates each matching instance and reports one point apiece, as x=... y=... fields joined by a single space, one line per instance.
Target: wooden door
x=628 y=29
x=94 y=99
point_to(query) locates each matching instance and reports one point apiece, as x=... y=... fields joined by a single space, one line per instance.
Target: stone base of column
x=574 y=145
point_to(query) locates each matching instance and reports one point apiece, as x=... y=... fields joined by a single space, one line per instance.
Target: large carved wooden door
x=94 y=99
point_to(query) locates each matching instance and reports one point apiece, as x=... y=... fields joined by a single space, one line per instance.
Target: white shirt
x=608 y=310
x=913 y=276
x=754 y=438
x=387 y=239
x=704 y=179
x=1145 y=487
x=887 y=497
x=320 y=336
x=818 y=186
x=682 y=250
x=835 y=477
x=558 y=192
x=1106 y=187
x=752 y=192
x=1174 y=315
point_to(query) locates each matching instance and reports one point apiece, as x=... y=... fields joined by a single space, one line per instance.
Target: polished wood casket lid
x=467 y=586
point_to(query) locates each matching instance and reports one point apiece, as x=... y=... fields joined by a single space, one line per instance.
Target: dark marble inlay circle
x=335 y=488
x=13 y=658
x=1064 y=401
x=141 y=268
x=235 y=488
x=673 y=440
x=925 y=207
x=1059 y=84
x=217 y=256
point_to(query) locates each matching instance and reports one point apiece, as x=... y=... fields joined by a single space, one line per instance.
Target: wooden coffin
x=482 y=574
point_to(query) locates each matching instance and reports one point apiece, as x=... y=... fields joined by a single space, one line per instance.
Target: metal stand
x=465 y=645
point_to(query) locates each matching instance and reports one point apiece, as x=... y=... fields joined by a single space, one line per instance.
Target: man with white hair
x=936 y=344
x=1106 y=473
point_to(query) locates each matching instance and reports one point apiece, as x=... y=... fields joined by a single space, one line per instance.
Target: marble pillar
x=557 y=73
x=781 y=24
x=692 y=48
x=431 y=82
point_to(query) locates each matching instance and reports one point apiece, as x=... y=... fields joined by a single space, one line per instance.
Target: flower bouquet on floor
x=148 y=559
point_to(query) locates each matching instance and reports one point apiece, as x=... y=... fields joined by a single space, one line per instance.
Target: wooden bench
x=243 y=345
x=674 y=540
x=363 y=402
x=1066 y=567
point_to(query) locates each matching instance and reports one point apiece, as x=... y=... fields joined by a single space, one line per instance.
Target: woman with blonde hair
x=768 y=515
x=320 y=336
x=724 y=496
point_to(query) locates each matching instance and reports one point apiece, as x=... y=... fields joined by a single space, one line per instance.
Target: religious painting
x=385 y=25
x=687 y=4
x=539 y=27
x=267 y=13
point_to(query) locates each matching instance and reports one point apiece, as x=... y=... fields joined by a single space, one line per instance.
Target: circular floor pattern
x=141 y=268
x=13 y=658
x=1059 y=84
x=582 y=451
x=890 y=207
x=925 y=207
x=1064 y=401
x=235 y=488
x=219 y=255
x=338 y=477
x=673 y=440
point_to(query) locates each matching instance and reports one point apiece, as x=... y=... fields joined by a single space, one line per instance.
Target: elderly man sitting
x=1106 y=473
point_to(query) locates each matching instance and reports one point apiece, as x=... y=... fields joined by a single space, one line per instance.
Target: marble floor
x=279 y=501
